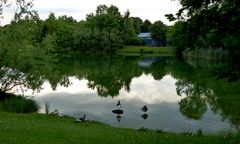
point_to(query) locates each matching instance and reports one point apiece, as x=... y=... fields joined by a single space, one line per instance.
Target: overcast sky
x=145 y=9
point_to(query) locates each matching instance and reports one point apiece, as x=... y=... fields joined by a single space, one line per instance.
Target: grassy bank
x=46 y=129
x=145 y=50
x=207 y=54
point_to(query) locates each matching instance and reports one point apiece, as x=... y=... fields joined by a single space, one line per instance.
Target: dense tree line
x=104 y=31
x=205 y=24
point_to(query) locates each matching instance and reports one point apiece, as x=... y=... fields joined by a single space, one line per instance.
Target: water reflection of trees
x=201 y=86
x=18 y=72
x=194 y=104
x=108 y=75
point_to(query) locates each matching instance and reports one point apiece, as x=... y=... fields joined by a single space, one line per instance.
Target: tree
x=23 y=9
x=105 y=18
x=158 y=32
x=137 y=24
x=170 y=17
x=129 y=35
x=105 y=31
x=196 y=6
x=146 y=26
x=208 y=25
x=177 y=36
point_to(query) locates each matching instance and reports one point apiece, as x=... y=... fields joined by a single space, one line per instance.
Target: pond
x=180 y=96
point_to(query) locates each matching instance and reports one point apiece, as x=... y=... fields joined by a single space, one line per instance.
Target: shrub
x=20 y=104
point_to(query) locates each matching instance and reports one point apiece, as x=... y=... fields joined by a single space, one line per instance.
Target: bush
x=20 y=104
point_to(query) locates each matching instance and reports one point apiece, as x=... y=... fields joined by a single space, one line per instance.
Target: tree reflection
x=201 y=87
x=194 y=105
x=107 y=74
x=14 y=81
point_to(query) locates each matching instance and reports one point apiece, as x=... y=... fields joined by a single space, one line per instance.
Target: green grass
x=208 y=54
x=139 y=50
x=51 y=129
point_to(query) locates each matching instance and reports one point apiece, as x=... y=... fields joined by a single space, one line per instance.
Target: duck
x=144 y=108
x=118 y=104
x=81 y=119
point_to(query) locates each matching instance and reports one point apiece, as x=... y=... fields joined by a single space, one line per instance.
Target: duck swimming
x=118 y=104
x=144 y=108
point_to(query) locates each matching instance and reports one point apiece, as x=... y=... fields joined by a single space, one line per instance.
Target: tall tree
x=137 y=24
x=158 y=32
x=146 y=26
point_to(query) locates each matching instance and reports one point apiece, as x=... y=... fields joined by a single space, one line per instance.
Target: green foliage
x=146 y=26
x=106 y=31
x=210 y=25
x=19 y=104
x=170 y=17
x=158 y=32
x=177 y=36
x=137 y=24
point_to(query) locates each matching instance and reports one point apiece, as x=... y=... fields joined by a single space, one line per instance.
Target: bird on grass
x=81 y=119
x=144 y=108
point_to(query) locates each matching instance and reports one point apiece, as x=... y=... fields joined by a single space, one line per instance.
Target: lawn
x=37 y=128
x=161 y=51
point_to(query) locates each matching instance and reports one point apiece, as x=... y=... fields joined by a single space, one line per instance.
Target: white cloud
x=150 y=9
x=144 y=89
x=150 y=91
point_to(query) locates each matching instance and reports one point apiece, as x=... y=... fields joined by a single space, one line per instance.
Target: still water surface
x=159 y=95
x=180 y=96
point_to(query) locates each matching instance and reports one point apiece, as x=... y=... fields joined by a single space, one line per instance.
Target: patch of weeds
x=159 y=131
x=199 y=132
x=20 y=104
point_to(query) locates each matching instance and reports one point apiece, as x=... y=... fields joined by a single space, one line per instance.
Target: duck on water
x=144 y=108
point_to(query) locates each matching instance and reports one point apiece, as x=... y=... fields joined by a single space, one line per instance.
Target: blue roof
x=145 y=35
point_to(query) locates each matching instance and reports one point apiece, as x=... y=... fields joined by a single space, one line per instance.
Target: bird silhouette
x=81 y=119
x=144 y=116
x=118 y=104
x=144 y=108
x=119 y=117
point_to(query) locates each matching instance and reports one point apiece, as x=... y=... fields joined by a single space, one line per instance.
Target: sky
x=152 y=10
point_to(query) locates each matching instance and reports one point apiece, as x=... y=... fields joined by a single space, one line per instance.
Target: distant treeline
x=210 y=25
x=202 y=28
x=104 y=31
